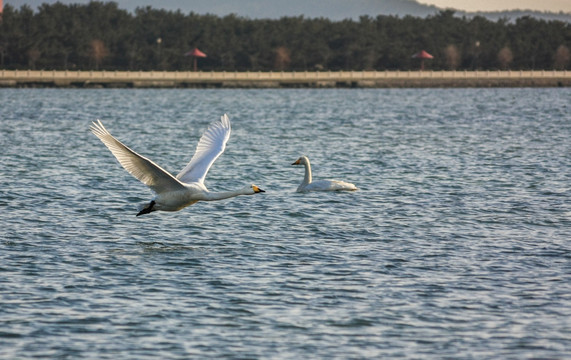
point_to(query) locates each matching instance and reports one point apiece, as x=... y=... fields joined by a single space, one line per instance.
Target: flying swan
x=320 y=185
x=175 y=193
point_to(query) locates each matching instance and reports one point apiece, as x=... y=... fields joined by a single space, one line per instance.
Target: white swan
x=320 y=185
x=175 y=193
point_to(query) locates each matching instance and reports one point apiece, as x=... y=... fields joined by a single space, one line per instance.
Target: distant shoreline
x=309 y=79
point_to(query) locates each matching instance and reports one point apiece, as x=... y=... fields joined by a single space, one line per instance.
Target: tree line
x=101 y=36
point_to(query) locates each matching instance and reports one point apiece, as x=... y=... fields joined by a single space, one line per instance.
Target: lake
x=456 y=245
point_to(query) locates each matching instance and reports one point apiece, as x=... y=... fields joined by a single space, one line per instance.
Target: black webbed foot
x=147 y=209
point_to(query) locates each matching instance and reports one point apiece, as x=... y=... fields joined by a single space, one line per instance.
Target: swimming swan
x=175 y=193
x=320 y=185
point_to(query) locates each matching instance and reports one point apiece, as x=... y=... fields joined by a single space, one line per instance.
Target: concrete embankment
x=310 y=79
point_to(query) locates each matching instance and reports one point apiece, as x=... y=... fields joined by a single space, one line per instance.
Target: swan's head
x=253 y=189
x=301 y=161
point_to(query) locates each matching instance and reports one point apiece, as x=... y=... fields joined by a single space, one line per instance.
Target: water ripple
x=455 y=246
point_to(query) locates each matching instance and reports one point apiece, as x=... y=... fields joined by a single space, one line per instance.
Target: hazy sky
x=498 y=5
x=211 y=5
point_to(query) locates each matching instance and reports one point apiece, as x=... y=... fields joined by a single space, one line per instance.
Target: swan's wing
x=209 y=148
x=140 y=167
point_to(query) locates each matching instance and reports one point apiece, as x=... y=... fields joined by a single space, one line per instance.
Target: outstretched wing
x=209 y=148
x=140 y=167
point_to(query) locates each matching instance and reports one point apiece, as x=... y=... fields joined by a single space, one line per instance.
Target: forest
x=101 y=36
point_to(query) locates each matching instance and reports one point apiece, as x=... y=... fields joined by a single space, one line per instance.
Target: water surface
x=456 y=245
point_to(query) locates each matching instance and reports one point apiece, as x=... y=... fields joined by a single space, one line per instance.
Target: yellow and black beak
x=257 y=189
x=297 y=162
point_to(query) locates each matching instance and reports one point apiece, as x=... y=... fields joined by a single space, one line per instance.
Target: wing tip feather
x=98 y=129
x=225 y=120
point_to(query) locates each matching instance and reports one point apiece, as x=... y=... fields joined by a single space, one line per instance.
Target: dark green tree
x=101 y=35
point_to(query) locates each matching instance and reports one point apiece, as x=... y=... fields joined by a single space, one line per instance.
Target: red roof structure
x=195 y=53
x=422 y=55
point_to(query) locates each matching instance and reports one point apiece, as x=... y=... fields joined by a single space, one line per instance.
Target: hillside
x=332 y=9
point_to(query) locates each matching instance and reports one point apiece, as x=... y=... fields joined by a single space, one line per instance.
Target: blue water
x=457 y=244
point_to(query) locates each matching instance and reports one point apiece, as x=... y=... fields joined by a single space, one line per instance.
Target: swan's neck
x=212 y=196
x=307 y=178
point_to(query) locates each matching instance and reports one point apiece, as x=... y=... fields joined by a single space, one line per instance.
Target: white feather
x=321 y=185
x=188 y=187
x=209 y=148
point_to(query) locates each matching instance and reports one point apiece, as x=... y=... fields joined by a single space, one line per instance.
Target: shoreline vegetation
x=101 y=36
x=292 y=79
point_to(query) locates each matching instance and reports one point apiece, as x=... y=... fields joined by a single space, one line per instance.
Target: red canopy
x=422 y=55
x=196 y=53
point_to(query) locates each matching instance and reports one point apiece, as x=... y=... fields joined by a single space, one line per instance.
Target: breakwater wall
x=311 y=79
